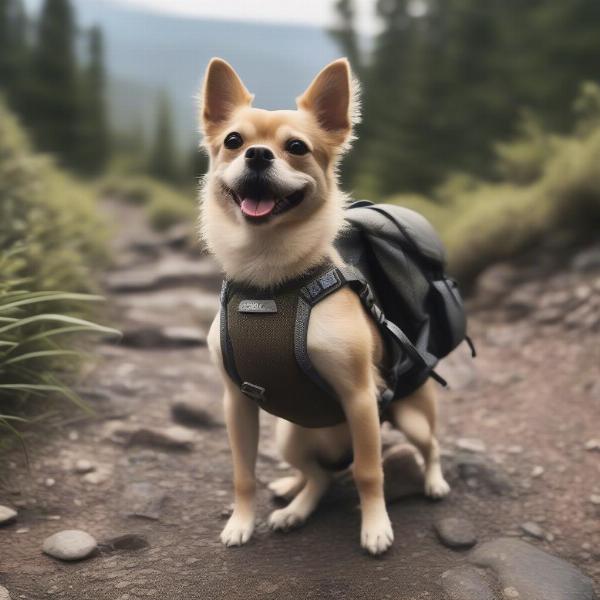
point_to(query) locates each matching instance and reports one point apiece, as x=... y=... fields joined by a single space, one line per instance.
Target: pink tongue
x=257 y=208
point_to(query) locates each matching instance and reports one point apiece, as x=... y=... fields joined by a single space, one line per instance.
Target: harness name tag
x=257 y=306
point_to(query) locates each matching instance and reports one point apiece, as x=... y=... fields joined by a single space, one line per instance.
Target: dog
x=272 y=227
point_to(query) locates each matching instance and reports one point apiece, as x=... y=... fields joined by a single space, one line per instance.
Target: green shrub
x=51 y=238
x=166 y=206
x=551 y=190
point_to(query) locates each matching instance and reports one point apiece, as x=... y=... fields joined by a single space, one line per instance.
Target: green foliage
x=448 y=79
x=52 y=216
x=483 y=222
x=51 y=238
x=166 y=206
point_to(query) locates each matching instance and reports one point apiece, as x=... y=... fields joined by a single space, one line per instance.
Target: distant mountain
x=147 y=51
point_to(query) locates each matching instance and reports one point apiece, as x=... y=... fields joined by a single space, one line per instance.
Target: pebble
x=7 y=515
x=533 y=529
x=537 y=471
x=470 y=445
x=515 y=449
x=592 y=445
x=455 y=532
x=192 y=413
x=402 y=474
x=4 y=595
x=83 y=466
x=595 y=499
x=143 y=499
x=49 y=482
x=174 y=438
x=71 y=544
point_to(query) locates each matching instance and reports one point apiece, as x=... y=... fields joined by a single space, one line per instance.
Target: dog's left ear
x=222 y=93
x=331 y=98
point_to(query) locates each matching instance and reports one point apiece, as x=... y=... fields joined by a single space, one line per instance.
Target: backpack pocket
x=451 y=326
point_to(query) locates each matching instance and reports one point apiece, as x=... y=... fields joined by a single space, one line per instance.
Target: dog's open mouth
x=259 y=210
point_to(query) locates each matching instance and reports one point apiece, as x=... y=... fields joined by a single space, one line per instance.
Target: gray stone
x=473 y=467
x=533 y=529
x=466 y=583
x=83 y=466
x=455 y=532
x=71 y=544
x=4 y=595
x=470 y=445
x=144 y=500
x=532 y=573
x=587 y=260
x=192 y=413
x=403 y=476
x=171 y=438
x=7 y=515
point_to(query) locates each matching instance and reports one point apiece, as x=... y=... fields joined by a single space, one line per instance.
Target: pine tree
x=13 y=49
x=94 y=134
x=53 y=101
x=345 y=33
x=163 y=158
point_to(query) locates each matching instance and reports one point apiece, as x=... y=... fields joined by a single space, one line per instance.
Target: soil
x=530 y=401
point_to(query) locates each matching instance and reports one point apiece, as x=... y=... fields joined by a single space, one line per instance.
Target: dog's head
x=273 y=172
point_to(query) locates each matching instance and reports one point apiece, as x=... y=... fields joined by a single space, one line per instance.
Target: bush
x=51 y=238
x=551 y=190
x=165 y=205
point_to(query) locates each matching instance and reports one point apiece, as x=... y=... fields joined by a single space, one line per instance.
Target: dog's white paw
x=237 y=531
x=376 y=537
x=285 y=487
x=285 y=519
x=436 y=486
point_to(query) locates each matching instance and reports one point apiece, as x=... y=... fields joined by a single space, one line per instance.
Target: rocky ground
x=148 y=477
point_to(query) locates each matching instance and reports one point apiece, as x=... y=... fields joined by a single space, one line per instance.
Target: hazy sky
x=314 y=12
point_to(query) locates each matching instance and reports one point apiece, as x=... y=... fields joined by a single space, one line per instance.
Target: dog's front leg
x=363 y=418
x=241 y=415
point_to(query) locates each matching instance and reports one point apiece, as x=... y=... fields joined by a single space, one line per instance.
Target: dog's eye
x=297 y=147
x=233 y=141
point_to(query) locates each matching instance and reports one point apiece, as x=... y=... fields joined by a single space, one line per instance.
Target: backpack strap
x=416 y=353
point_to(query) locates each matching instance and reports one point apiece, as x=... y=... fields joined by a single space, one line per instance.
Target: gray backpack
x=399 y=263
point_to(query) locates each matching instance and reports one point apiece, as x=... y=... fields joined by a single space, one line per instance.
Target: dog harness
x=264 y=345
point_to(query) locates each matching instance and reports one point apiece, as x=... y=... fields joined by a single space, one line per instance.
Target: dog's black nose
x=259 y=157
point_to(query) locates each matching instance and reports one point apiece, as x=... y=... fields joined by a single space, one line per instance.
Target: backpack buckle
x=256 y=392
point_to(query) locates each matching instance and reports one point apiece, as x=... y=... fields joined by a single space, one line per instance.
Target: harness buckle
x=256 y=392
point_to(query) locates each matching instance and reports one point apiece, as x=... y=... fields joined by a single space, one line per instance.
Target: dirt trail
x=514 y=429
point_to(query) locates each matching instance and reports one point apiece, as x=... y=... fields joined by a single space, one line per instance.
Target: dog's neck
x=266 y=257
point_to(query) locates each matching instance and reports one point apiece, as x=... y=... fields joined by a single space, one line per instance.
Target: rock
x=172 y=438
x=592 y=445
x=49 y=482
x=522 y=301
x=151 y=336
x=455 y=532
x=549 y=315
x=494 y=283
x=475 y=468
x=4 y=595
x=587 y=260
x=537 y=471
x=7 y=515
x=466 y=583
x=71 y=544
x=515 y=449
x=533 y=529
x=129 y=541
x=403 y=476
x=144 y=500
x=595 y=499
x=192 y=413
x=470 y=445
x=532 y=573
x=83 y=466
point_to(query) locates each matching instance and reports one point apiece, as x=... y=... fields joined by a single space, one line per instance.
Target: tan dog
x=267 y=239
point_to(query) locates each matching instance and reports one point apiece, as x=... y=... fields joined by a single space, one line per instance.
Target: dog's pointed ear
x=331 y=98
x=222 y=93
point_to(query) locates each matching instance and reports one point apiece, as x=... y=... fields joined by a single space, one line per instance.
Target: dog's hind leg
x=287 y=487
x=312 y=482
x=416 y=416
